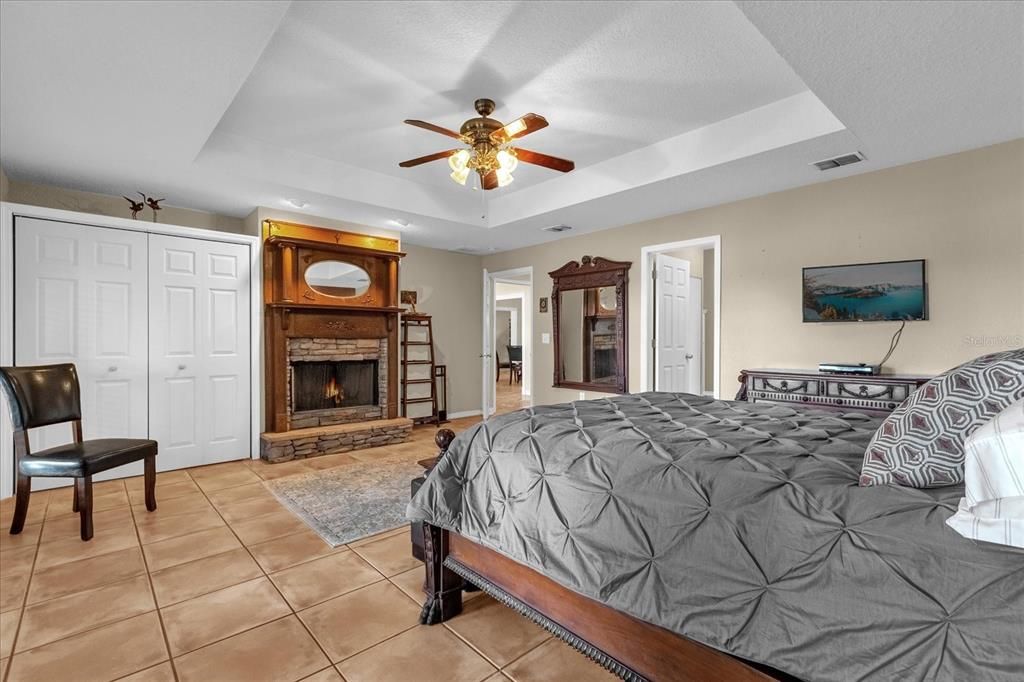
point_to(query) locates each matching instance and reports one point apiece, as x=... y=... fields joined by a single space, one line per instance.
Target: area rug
x=350 y=502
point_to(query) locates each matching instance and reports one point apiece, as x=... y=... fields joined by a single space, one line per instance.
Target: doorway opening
x=507 y=353
x=680 y=318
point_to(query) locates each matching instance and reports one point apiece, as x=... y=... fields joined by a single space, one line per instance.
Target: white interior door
x=81 y=298
x=672 y=352
x=695 y=337
x=199 y=350
x=487 y=356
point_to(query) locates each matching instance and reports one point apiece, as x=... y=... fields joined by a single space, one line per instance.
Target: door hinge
x=654 y=272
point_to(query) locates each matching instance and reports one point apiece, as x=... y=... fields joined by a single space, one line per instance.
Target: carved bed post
x=442 y=586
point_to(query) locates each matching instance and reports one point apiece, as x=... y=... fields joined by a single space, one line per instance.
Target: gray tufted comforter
x=740 y=526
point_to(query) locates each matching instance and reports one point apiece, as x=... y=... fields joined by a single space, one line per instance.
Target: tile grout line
x=201 y=490
x=152 y=590
x=292 y=608
x=38 y=546
x=269 y=580
x=28 y=586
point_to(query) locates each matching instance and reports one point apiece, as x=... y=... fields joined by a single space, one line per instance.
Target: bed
x=671 y=536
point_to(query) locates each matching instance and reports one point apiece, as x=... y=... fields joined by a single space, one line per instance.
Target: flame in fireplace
x=333 y=391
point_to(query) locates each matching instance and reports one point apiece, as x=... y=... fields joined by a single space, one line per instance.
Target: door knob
x=689 y=356
x=181 y=366
x=112 y=368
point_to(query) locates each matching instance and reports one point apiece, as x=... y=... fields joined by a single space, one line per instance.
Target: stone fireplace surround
x=305 y=324
x=338 y=350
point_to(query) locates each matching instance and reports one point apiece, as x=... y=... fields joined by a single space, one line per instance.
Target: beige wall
x=502 y=332
x=448 y=286
x=964 y=213
x=103 y=204
x=4 y=185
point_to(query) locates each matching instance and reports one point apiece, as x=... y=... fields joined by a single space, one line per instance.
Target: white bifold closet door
x=158 y=327
x=81 y=298
x=199 y=350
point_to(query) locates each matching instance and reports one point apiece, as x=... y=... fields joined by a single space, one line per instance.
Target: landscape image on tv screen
x=866 y=292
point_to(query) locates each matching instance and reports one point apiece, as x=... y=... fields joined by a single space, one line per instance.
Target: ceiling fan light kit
x=489 y=151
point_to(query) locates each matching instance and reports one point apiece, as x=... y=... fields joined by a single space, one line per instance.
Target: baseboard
x=467 y=413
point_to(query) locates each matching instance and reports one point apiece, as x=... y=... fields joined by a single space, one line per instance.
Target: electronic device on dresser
x=849 y=368
x=875 y=394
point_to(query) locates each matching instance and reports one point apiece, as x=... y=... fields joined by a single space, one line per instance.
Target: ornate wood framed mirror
x=588 y=306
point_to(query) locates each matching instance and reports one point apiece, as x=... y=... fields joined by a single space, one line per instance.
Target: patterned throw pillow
x=921 y=444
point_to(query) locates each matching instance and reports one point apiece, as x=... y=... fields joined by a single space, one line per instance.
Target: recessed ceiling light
x=295 y=203
x=400 y=222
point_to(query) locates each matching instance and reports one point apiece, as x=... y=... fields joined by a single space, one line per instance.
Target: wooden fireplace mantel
x=295 y=310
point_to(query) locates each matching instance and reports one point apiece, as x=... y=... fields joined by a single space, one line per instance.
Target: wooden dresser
x=879 y=394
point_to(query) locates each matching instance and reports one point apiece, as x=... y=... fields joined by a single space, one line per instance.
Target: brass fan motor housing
x=476 y=132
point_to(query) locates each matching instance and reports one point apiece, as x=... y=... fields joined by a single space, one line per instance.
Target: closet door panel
x=228 y=346
x=199 y=350
x=175 y=403
x=80 y=296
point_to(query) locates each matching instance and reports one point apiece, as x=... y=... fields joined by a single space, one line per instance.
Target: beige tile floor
x=223 y=583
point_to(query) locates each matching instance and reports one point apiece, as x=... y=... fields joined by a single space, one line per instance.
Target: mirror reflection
x=588 y=339
x=337 y=278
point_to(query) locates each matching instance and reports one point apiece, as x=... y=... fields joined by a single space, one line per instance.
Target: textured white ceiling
x=337 y=79
x=665 y=106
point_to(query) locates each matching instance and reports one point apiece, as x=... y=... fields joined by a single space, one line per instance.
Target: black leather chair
x=515 y=363
x=49 y=394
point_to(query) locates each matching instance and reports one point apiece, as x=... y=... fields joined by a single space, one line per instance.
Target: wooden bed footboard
x=633 y=649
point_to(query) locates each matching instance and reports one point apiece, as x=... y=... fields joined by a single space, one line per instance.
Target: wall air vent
x=837 y=161
x=557 y=228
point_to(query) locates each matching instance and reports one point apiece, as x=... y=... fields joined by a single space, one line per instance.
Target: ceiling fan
x=490 y=152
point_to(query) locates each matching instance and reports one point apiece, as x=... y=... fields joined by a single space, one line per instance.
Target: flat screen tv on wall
x=865 y=292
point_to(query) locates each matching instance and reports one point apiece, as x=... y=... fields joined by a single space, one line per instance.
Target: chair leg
x=74 y=502
x=21 y=503
x=83 y=488
x=150 y=482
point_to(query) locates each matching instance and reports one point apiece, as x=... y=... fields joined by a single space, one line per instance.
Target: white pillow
x=993 y=507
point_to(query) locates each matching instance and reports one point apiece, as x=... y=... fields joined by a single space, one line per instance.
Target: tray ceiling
x=664 y=106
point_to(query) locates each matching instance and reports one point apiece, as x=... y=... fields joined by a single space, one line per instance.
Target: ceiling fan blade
x=434 y=128
x=521 y=127
x=538 y=159
x=426 y=159
x=489 y=180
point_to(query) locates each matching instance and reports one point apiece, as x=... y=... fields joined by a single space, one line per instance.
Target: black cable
x=895 y=341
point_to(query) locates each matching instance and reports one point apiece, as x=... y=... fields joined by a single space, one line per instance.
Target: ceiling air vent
x=469 y=249
x=557 y=228
x=837 y=161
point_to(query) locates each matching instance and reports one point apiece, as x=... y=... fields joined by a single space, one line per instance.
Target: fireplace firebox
x=329 y=385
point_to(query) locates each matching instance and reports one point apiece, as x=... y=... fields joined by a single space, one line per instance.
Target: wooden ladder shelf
x=417 y=323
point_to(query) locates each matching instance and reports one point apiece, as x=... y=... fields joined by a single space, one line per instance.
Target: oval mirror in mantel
x=337 y=278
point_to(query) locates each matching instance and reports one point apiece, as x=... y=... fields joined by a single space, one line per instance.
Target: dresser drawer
x=792 y=386
x=865 y=389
